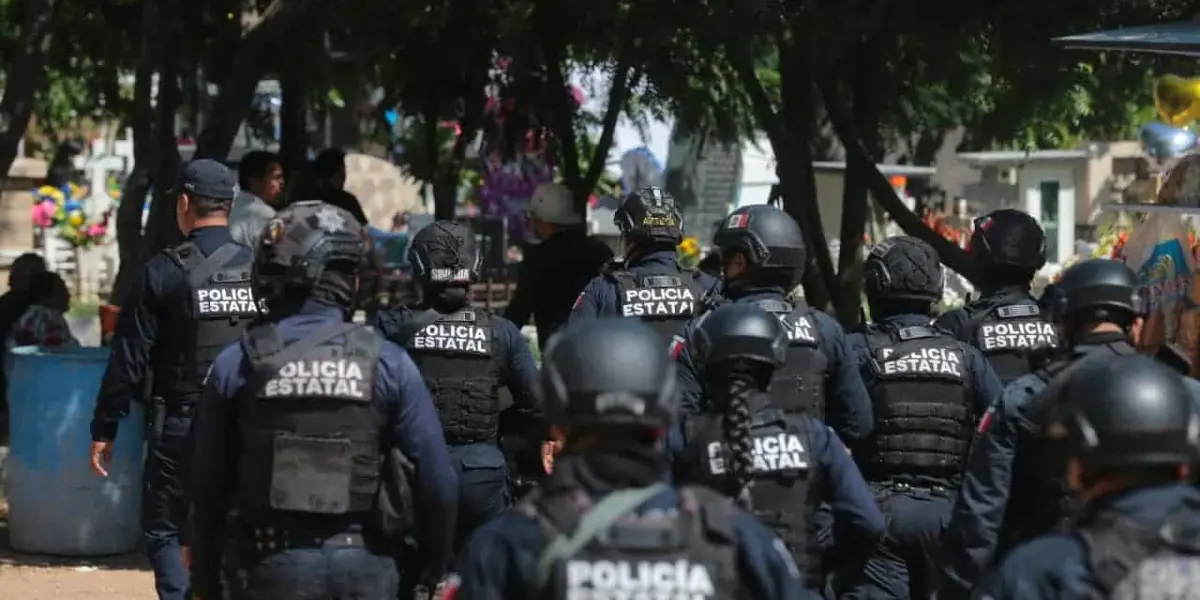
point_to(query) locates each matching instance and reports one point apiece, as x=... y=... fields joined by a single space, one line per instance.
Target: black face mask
x=632 y=465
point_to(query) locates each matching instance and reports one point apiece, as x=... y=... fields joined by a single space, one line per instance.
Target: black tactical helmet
x=1128 y=411
x=305 y=241
x=650 y=214
x=768 y=236
x=608 y=372
x=444 y=252
x=904 y=268
x=739 y=334
x=1008 y=238
x=1098 y=288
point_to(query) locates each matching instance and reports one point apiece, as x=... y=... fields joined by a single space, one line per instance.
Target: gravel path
x=23 y=576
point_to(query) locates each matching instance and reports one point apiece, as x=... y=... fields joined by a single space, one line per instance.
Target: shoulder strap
x=603 y=514
x=417 y=323
x=271 y=364
x=211 y=264
x=1114 y=546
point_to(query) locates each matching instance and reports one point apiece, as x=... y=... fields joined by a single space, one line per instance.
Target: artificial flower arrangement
x=689 y=252
x=61 y=209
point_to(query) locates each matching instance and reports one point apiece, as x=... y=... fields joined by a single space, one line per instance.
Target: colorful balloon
x=75 y=218
x=1177 y=99
x=1164 y=142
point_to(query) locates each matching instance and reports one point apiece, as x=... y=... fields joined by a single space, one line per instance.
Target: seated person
x=44 y=321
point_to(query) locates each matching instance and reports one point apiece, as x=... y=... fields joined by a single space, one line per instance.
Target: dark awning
x=1180 y=38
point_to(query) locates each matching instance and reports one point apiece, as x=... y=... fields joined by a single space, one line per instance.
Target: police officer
x=929 y=391
x=466 y=355
x=294 y=425
x=650 y=285
x=1130 y=430
x=1096 y=305
x=188 y=303
x=1005 y=323
x=763 y=256
x=781 y=465
x=607 y=523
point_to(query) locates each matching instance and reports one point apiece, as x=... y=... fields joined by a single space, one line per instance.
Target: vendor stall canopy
x=1179 y=38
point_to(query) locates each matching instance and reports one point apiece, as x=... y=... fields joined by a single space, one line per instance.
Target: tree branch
x=881 y=189
x=617 y=95
x=239 y=85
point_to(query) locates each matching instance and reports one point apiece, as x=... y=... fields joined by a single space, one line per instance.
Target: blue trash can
x=56 y=504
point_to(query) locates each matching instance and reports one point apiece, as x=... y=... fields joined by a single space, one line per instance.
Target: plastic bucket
x=57 y=505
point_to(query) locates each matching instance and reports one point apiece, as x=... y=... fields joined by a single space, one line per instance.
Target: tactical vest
x=222 y=305
x=1039 y=479
x=664 y=302
x=1007 y=333
x=690 y=553
x=310 y=430
x=1129 y=561
x=459 y=359
x=787 y=484
x=921 y=392
x=799 y=385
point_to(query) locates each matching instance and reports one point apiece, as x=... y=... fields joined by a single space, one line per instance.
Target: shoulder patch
x=985 y=422
x=676 y=347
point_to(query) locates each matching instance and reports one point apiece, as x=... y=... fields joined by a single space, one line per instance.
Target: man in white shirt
x=260 y=177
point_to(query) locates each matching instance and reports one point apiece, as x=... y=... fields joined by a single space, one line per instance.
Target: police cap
x=1098 y=288
x=305 y=240
x=767 y=236
x=445 y=252
x=650 y=213
x=904 y=267
x=608 y=372
x=739 y=334
x=1128 y=411
x=1008 y=238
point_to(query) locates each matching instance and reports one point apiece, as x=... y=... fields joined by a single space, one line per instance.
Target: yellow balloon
x=75 y=219
x=1177 y=100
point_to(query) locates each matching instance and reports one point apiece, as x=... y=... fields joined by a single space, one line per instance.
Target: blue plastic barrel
x=56 y=504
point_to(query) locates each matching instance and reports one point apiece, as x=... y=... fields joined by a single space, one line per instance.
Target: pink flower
x=96 y=230
x=577 y=95
x=43 y=213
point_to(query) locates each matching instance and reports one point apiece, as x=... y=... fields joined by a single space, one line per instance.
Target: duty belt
x=900 y=487
x=268 y=540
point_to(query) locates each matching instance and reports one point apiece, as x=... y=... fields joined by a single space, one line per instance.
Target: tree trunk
x=864 y=100
x=795 y=173
x=797 y=189
x=293 y=123
x=138 y=184
x=239 y=84
x=562 y=114
x=25 y=78
x=162 y=229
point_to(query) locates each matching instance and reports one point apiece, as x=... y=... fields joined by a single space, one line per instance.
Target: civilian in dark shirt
x=328 y=173
x=14 y=302
x=556 y=270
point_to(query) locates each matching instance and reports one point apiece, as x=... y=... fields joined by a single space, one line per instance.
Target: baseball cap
x=553 y=203
x=208 y=178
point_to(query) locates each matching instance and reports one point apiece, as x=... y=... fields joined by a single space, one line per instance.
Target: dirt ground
x=23 y=576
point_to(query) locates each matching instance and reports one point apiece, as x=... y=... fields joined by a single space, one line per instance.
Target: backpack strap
x=601 y=516
x=414 y=325
x=200 y=273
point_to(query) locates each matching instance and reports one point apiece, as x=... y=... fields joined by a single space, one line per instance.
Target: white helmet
x=553 y=203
